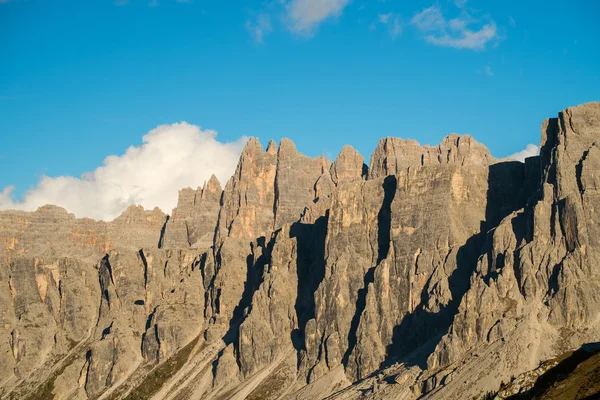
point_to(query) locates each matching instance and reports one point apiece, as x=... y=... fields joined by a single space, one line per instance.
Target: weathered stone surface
x=294 y=183
x=194 y=220
x=422 y=248
x=535 y=284
x=348 y=166
x=249 y=196
x=266 y=332
x=539 y=277
x=351 y=252
x=395 y=154
x=57 y=310
x=135 y=228
x=270 y=191
x=52 y=231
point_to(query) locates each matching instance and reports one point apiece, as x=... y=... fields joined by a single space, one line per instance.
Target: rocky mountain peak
x=287 y=146
x=272 y=147
x=348 y=166
x=213 y=186
x=54 y=212
x=463 y=150
x=252 y=146
x=395 y=154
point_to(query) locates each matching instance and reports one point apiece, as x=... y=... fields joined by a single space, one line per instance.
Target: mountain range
x=435 y=272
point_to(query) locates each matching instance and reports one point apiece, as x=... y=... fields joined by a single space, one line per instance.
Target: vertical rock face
x=414 y=240
x=395 y=154
x=269 y=189
x=193 y=222
x=352 y=251
x=294 y=183
x=437 y=272
x=135 y=228
x=52 y=230
x=246 y=220
x=536 y=288
x=348 y=166
x=249 y=196
x=266 y=332
x=86 y=321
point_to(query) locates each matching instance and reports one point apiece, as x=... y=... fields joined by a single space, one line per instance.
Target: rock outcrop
x=193 y=221
x=436 y=272
x=53 y=231
x=394 y=154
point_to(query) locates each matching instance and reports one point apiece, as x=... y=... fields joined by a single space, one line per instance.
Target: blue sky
x=82 y=80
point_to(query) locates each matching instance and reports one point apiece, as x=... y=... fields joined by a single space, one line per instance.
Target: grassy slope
x=576 y=377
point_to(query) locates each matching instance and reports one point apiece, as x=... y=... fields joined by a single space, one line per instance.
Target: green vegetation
x=575 y=377
x=272 y=387
x=156 y=378
x=45 y=389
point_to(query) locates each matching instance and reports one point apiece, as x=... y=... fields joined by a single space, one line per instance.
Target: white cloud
x=396 y=28
x=384 y=18
x=304 y=16
x=260 y=28
x=153 y=3
x=463 y=32
x=392 y=21
x=6 y=195
x=171 y=157
x=460 y=3
x=466 y=39
x=529 y=151
x=488 y=70
x=430 y=19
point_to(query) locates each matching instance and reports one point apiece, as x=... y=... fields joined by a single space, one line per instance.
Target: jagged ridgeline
x=436 y=272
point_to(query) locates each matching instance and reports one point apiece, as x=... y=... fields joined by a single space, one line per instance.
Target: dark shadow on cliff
x=310 y=268
x=548 y=148
x=384 y=222
x=256 y=261
x=161 y=239
x=418 y=334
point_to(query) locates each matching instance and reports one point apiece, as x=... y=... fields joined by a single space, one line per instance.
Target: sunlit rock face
x=436 y=272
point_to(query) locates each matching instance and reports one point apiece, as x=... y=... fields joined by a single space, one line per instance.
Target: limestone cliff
x=436 y=272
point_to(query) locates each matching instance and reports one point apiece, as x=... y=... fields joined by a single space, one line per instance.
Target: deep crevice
x=418 y=333
x=106 y=331
x=256 y=264
x=384 y=218
x=384 y=222
x=579 y=169
x=161 y=239
x=145 y=264
x=361 y=303
x=147 y=326
x=310 y=270
x=157 y=342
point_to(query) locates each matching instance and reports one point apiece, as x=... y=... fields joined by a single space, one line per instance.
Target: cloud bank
x=529 y=151
x=171 y=157
x=462 y=32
